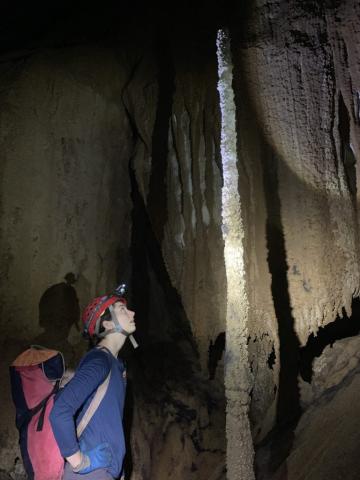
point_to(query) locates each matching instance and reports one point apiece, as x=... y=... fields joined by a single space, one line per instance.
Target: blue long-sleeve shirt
x=106 y=424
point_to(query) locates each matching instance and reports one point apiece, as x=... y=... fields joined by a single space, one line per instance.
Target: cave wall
x=186 y=214
x=65 y=201
x=71 y=120
x=296 y=74
x=172 y=101
x=68 y=124
x=296 y=86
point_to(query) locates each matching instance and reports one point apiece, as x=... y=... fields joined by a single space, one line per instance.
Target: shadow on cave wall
x=169 y=353
x=148 y=221
x=288 y=405
x=156 y=200
x=342 y=327
x=149 y=275
x=162 y=325
x=293 y=359
x=216 y=351
x=288 y=410
x=165 y=371
x=59 y=311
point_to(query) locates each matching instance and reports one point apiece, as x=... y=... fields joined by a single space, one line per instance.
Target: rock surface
x=336 y=363
x=296 y=75
x=298 y=129
x=327 y=437
x=65 y=195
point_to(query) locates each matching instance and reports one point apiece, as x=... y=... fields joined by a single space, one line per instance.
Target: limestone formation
x=240 y=453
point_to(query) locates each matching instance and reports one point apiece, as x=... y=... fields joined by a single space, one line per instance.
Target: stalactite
x=240 y=451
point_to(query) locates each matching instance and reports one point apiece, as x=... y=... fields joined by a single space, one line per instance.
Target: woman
x=99 y=453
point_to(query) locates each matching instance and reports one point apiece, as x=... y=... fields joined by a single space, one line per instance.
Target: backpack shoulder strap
x=94 y=404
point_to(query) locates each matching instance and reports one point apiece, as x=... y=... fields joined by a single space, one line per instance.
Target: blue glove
x=98 y=457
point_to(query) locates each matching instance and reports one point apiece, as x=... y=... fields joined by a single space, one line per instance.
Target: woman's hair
x=94 y=340
x=104 y=317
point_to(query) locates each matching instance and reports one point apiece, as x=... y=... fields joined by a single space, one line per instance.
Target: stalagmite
x=240 y=452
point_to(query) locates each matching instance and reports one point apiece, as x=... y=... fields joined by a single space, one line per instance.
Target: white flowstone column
x=240 y=451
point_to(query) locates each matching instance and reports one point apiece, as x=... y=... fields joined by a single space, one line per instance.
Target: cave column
x=240 y=451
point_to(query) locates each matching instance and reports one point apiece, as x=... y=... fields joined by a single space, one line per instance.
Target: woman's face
x=125 y=317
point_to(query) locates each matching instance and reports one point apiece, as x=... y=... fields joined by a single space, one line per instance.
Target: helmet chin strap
x=118 y=327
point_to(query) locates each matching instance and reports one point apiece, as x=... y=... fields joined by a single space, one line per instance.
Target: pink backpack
x=35 y=378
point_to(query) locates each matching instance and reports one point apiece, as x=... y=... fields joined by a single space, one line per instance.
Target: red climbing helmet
x=92 y=313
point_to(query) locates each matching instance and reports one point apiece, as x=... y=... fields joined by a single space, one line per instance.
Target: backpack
x=35 y=379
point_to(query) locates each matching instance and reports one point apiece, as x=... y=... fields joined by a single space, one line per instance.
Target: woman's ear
x=108 y=324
